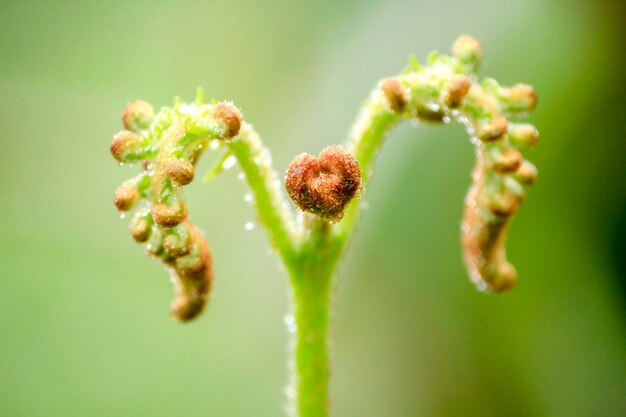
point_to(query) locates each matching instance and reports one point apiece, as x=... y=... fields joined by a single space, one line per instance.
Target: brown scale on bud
x=469 y=51
x=179 y=171
x=456 y=91
x=169 y=216
x=123 y=144
x=230 y=118
x=324 y=185
x=126 y=196
x=520 y=98
x=395 y=94
x=137 y=115
x=494 y=130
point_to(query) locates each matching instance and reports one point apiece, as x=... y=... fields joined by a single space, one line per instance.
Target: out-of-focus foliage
x=83 y=327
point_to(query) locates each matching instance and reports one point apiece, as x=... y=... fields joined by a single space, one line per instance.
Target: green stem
x=372 y=127
x=270 y=202
x=310 y=367
x=312 y=281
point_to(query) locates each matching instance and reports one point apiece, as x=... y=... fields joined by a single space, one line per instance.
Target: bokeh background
x=84 y=325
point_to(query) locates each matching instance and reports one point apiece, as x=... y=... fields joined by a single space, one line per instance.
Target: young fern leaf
x=447 y=89
x=168 y=145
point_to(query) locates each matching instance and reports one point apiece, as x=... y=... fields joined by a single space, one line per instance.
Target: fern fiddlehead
x=169 y=143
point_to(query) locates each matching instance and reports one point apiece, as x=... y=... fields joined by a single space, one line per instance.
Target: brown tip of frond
x=139 y=228
x=469 y=51
x=230 y=117
x=137 y=115
x=456 y=91
x=523 y=135
x=494 y=130
x=125 y=197
x=194 y=276
x=180 y=172
x=169 y=216
x=504 y=279
x=395 y=94
x=123 y=143
x=521 y=98
x=504 y=159
x=526 y=173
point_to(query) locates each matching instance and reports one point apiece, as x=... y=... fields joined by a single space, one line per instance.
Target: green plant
x=311 y=241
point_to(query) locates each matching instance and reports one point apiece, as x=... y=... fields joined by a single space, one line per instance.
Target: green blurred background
x=84 y=325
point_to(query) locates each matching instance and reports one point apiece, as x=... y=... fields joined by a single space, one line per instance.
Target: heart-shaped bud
x=324 y=185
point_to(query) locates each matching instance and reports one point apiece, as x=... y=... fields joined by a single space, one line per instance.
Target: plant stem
x=372 y=127
x=310 y=343
x=312 y=305
x=271 y=206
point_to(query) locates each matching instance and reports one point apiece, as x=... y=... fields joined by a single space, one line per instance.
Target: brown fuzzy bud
x=469 y=51
x=137 y=115
x=177 y=243
x=179 y=171
x=523 y=135
x=503 y=204
x=230 y=118
x=324 y=185
x=526 y=173
x=139 y=228
x=494 y=130
x=168 y=216
x=504 y=279
x=123 y=144
x=520 y=98
x=504 y=159
x=191 y=263
x=395 y=94
x=126 y=196
x=457 y=89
